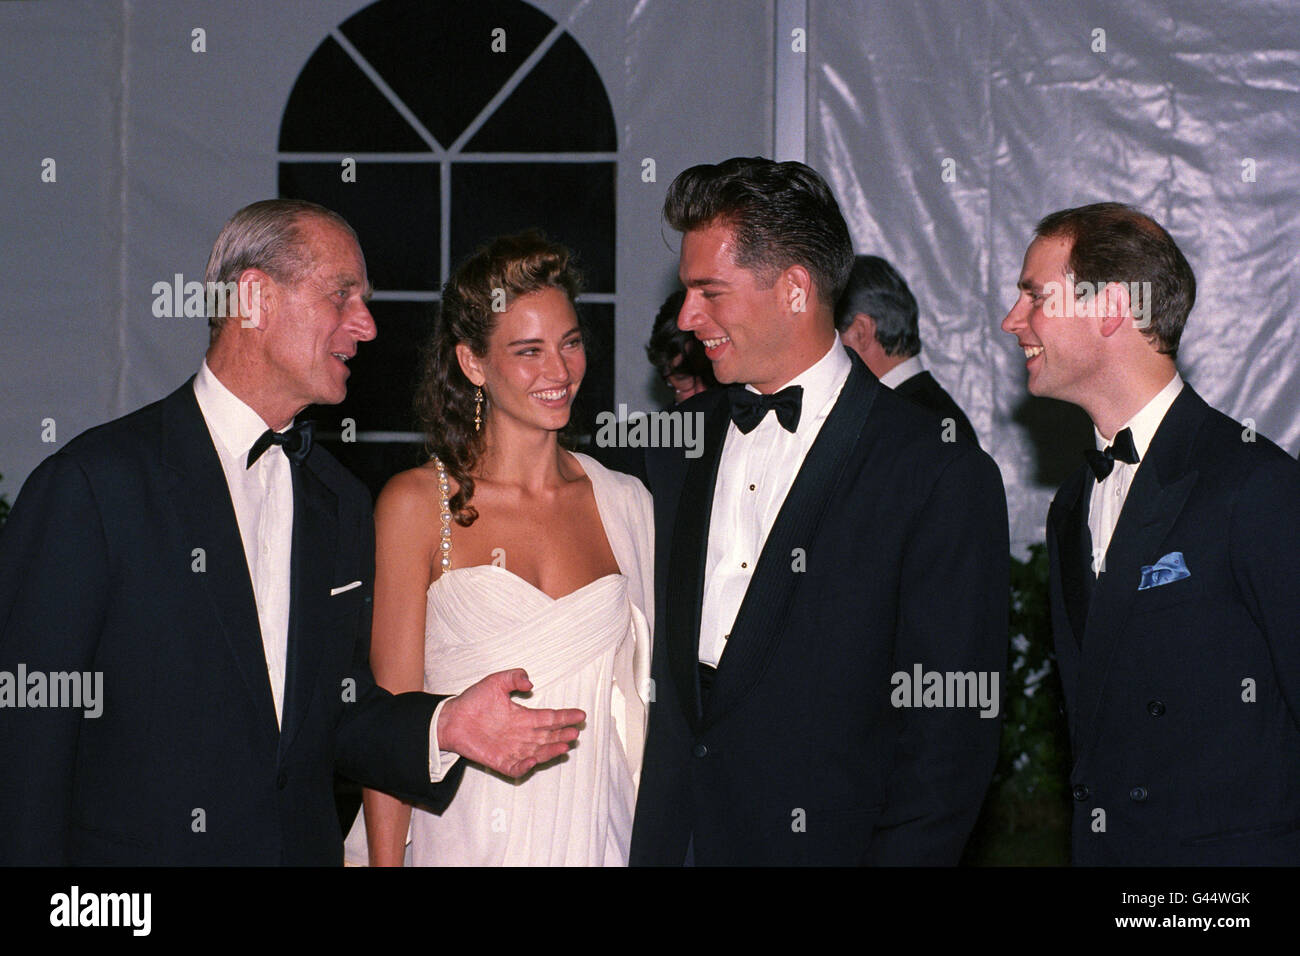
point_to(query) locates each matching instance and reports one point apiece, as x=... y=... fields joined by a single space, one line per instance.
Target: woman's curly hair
x=495 y=275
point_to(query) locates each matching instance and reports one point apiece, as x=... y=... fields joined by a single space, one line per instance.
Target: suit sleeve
x=1265 y=550
x=383 y=739
x=952 y=619
x=54 y=588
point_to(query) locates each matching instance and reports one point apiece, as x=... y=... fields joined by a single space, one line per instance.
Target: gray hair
x=876 y=288
x=264 y=235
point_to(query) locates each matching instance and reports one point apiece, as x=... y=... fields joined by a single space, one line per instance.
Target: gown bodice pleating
x=588 y=649
x=578 y=651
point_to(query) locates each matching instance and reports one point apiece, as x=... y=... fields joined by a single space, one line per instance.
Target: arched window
x=465 y=121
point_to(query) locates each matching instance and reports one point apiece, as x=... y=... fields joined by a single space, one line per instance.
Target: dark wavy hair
x=668 y=343
x=780 y=214
x=512 y=266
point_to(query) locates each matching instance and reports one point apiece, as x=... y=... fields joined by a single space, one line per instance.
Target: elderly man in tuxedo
x=813 y=563
x=214 y=569
x=1175 y=552
x=877 y=318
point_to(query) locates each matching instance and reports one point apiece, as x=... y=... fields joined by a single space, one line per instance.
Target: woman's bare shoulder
x=413 y=496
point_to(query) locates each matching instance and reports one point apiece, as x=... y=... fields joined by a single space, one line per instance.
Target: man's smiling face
x=1061 y=348
x=738 y=319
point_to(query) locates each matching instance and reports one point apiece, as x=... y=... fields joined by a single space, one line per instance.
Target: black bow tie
x=749 y=408
x=1121 y=449
x=295 y=441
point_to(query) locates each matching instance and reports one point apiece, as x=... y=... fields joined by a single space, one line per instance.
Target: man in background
x=877 y=318
x=677 y=355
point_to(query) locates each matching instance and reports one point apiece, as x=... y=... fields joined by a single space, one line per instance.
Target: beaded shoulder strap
x=444 y=510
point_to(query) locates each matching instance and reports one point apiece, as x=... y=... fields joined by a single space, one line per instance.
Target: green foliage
x=1034 y=757
x=1027 y=813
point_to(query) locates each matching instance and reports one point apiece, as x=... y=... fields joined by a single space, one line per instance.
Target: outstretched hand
x=484 y=725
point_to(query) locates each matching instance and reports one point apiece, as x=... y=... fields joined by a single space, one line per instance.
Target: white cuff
x=440 y=761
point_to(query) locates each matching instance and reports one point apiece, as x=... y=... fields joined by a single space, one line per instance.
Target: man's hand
x=484 y=725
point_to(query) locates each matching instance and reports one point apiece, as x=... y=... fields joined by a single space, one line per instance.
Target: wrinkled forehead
x=333 y=251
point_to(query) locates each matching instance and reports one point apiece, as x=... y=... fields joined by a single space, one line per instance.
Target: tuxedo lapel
x=1075 y=559
x=1070 y=581
x=760 y=622
x=201 y=502
x=687 y=558
x=1160 y=489
x=315 y=540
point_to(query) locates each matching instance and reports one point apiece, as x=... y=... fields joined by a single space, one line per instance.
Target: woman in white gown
x=505 y=550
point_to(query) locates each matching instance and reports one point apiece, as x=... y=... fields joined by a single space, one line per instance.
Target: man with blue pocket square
x=1175 y=557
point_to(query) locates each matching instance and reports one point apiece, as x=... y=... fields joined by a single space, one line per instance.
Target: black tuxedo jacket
x=922 y=389
x=123 y=556
x=1184 y=699
x=889 y=551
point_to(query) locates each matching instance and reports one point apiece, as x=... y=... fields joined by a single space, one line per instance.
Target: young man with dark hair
x=809 y=563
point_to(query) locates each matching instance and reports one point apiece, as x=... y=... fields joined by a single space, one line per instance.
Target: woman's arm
x=406 y=534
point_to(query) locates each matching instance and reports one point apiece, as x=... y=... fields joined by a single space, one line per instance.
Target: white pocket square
x=345 y=587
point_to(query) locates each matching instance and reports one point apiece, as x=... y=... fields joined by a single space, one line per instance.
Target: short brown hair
x=1112 y=242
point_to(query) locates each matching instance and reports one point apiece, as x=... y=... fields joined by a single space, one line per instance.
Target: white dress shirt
x=1108 y=495
x=263 y=501
x=754 y=476
x=901 y=372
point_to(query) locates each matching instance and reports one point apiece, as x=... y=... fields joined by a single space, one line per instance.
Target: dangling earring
x=478 y=408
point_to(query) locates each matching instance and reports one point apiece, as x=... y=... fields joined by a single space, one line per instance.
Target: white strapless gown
x=588 y=649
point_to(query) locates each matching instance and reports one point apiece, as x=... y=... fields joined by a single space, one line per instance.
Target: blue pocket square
x=1167 y=570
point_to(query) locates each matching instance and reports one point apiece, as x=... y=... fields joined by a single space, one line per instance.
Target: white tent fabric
x=1189 y=111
